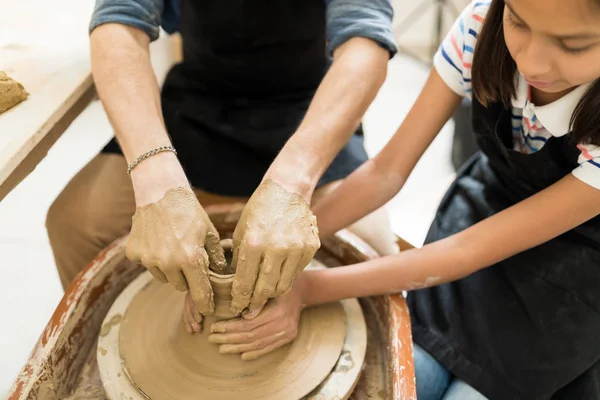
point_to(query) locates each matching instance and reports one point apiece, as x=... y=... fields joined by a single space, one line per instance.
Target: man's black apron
x=250 y=71
x=527 y=327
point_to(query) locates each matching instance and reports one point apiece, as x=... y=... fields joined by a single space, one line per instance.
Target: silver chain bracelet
x=150 y=153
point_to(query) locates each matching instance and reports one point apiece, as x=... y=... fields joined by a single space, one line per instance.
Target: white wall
x=417 y=34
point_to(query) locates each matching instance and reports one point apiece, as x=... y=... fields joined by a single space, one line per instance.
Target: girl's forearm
x=413 y=269
x=379 y=179
x=536 y=220
x=364 y=191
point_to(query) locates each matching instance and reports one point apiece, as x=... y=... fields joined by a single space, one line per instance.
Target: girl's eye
x=514 y=22
x=572 y=50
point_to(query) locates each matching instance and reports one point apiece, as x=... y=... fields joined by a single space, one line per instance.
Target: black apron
x=529 y=326
x=250 y=71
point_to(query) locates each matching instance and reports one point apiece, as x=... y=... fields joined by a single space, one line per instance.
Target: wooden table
x=45 y=46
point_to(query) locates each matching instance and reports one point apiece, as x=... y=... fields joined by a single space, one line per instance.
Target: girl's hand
x=252 y=335
x=191 y=317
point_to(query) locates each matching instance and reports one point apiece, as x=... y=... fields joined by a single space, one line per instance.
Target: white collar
x=556 y=116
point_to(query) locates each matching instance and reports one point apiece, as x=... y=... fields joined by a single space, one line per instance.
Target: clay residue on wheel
x=345 y=362
x=107 y=326
x=88 y=392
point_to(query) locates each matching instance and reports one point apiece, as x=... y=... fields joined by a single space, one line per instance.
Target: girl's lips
x=539 y=84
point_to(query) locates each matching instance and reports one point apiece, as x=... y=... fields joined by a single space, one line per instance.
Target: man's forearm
x=349 y=87
x=129 y=92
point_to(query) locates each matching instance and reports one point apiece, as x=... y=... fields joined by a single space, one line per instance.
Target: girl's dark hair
x=494 y=74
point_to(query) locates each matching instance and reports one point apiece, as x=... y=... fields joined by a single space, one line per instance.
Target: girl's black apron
x=250 y=71
x=527 y=327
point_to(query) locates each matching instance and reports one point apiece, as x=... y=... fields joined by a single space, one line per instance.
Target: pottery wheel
x=162 y=361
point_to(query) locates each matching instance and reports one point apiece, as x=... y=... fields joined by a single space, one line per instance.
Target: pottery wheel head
x=164 y=362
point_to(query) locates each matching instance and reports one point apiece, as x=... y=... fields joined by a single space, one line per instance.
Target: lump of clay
x=11 y=92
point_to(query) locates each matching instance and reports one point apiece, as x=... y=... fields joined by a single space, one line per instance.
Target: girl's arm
x=379 y=179
x=544 y=216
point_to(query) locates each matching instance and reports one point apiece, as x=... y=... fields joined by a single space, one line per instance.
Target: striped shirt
x=532 y=125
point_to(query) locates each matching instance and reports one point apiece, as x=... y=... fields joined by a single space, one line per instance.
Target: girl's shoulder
x=480 y=8
x=473 y=18
x=454 y=59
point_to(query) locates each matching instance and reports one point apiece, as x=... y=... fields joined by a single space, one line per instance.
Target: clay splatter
x=102 y=350
x=108 y=326
x=430 y=281
x=345 y=363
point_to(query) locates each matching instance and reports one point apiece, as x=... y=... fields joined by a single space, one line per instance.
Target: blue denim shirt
x=370 y=19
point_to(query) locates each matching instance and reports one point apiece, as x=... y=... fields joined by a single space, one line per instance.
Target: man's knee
x=79 y=228
x=97 y=204
x=66 y=223
x=57 y=216
x=69 y=218
x=94 y=209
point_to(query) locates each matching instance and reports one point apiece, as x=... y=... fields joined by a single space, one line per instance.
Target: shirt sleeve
x=454 y=58
x=589 y=165
x=358 y=18
x=142 y=14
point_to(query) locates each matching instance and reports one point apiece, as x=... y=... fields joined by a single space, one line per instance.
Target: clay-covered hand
x=275 y=326
x=275 y=238
x=176 y=241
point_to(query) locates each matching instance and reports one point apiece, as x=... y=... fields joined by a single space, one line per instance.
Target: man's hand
x=192 y=319
x=276 y=236
x=176 y=241
x=274 y=240
x=274 y=327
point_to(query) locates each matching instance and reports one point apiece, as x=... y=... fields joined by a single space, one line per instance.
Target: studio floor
x=30 y=288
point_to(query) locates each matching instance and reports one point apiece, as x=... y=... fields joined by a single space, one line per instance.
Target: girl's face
x=555 y=43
